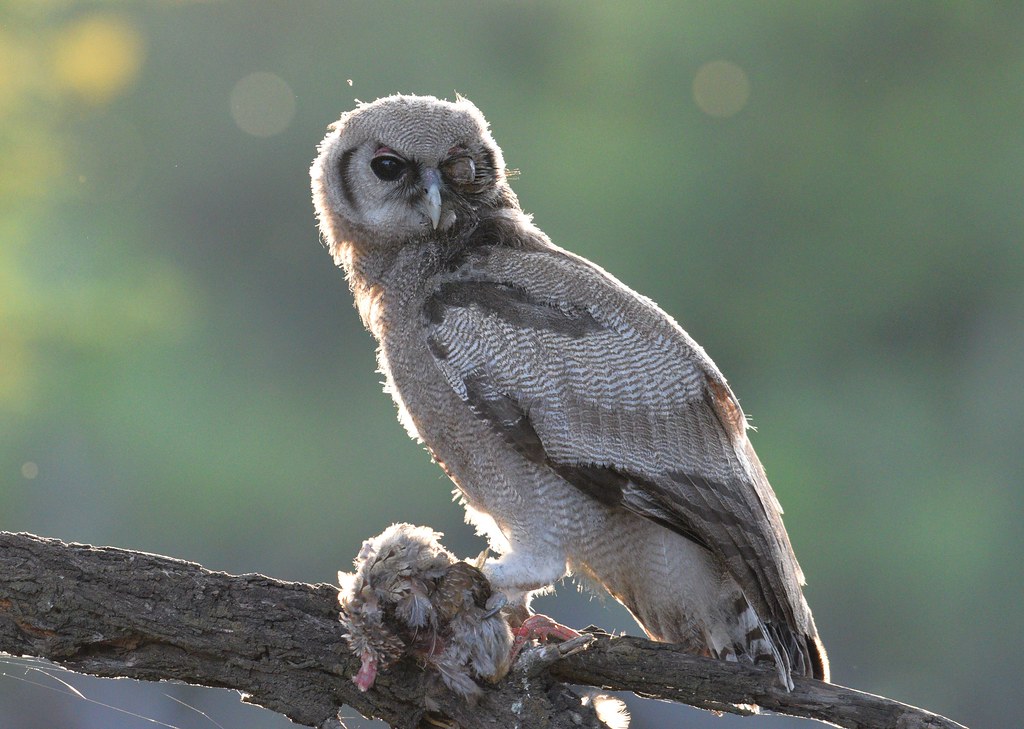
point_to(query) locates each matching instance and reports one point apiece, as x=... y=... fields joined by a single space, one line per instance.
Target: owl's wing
x=581 y=374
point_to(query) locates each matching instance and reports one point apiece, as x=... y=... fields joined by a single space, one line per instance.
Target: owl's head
x=406 y=167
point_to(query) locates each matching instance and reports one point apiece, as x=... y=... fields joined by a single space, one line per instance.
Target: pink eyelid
x=382 y=150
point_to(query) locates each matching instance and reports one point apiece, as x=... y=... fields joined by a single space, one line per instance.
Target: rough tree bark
x=115 y=612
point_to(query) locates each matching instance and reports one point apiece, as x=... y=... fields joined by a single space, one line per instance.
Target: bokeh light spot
x=262 y=104
x=98 y=57
x=721 y=88
x=16 y=70
x=29 y=469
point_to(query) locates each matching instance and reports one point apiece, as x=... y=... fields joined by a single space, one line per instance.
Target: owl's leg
x=530 y=560
x=519 y=572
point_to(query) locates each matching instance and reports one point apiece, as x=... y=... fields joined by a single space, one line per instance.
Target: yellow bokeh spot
x=16 y=71
x=721 y=88
x=98 y=57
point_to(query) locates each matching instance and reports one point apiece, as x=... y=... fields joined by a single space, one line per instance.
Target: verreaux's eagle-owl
x=584 y=429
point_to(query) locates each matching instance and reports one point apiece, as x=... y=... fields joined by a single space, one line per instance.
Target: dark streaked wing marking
x=505 y=416
x=604 y=483
x=508 y=419
x=512 y=304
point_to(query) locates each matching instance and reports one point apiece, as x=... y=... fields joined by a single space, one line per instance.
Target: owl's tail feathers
x=803 y=653
x=748 y=639
x=792 y=652
x=815 y=652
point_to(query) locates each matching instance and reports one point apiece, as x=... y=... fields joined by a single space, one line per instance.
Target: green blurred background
x=828 y=196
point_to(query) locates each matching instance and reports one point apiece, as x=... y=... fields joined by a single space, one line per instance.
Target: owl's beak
x=432 y=188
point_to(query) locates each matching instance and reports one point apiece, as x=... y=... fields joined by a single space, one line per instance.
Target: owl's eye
x=460 y=170
x=388 y=167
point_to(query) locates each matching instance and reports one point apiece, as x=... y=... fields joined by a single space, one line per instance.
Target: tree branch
x=114 y=612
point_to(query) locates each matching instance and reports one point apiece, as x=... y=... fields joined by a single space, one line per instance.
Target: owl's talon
x=539 y=627
x=558 y=651
x=536 y=660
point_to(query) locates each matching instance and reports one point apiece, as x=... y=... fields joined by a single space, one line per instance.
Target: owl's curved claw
x=536 y=660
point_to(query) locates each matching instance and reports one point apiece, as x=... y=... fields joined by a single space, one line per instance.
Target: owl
x=585 y=431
